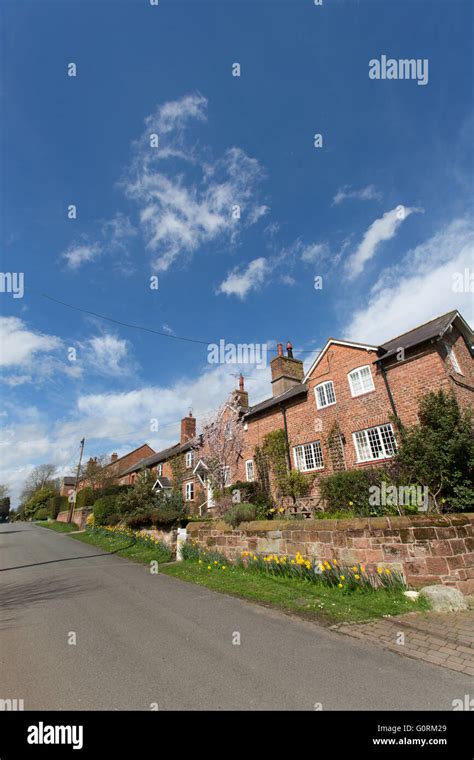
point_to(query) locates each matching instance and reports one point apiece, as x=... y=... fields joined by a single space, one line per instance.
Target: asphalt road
x=144 y=639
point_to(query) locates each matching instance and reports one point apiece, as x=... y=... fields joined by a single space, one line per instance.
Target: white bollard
x=181 y=539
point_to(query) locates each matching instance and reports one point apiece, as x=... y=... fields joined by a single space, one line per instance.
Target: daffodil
x=340 y=585
x=357 y=577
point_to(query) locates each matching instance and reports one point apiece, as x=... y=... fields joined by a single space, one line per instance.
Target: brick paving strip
x=445 y=639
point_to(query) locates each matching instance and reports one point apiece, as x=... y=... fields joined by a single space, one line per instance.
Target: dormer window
x=325 y=395
x=360 y=381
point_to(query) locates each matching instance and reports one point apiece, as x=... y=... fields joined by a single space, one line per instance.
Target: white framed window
x=325 y=395
x=189 y=492
x=374 y=443
x=309 y=456
x=159 y=470
x=360 y=380
x=226 y=476
x=453 y=359
x=249 y=470
x=189 y=459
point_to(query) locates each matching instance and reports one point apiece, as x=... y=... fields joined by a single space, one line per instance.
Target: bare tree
x=41 y=476
x=222 y=445
x=98 y=472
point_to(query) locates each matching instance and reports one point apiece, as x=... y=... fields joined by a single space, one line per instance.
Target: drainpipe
x=390 y=396
x=285 y=426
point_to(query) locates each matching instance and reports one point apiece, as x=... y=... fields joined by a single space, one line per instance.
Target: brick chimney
x=286 y=370
x=241 y=395
x=114 y=457
x=188 y=428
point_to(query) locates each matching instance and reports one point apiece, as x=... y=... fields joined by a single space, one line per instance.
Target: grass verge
x=324 y=604
x=124 y=547
x=59 y=527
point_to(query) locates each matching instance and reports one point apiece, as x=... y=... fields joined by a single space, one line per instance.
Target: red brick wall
x=79 y=517
x=427 y=549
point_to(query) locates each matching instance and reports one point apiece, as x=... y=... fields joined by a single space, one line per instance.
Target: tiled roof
x=160 y=456
x=296 y=390
x=432 y=329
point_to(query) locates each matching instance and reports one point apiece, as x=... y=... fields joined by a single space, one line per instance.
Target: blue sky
x=223 y=141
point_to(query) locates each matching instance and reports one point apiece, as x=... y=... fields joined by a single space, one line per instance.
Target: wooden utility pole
x=78 y=472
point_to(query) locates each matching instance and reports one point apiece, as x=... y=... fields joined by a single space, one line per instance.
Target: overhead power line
x=147 y=329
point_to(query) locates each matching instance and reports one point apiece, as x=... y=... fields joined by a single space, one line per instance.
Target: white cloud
x=314 y=252
x=184 y=205
x=380 y=230
x=419 y=288
x=108 y=353
x=367 y=193
x=241 y=283
x=116 y=421
x=19 y=346
x=181 y=209
x=78 y=254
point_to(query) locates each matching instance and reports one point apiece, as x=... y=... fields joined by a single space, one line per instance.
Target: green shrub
x=240 y=513
x=57 y=504
x=349 y=490
x=86 y=497
x=103 y=508
x=41 y=514
x=39 y=500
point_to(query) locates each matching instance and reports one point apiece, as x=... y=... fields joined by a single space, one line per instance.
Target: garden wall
x=427 y=549
x=79 y=516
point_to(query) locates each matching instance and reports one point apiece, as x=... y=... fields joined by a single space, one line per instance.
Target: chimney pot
x=289 y=349
x=114 y=457
x=280 y=349
x=241 y=383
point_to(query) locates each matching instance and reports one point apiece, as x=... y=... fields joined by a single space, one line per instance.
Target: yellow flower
x=340 y=585
x=343 y=577
x=200 y=562
x=209 y=567
x=223 y=567
x=254 y=557
x=351 y=503
x=282 y=509
x=334 y=561
x=379 y=570
x=362 y=567
x=272 y=510
x=216 y=562
x=387 y=571
x=357 y=577
x=354 y=568
x=292 y=561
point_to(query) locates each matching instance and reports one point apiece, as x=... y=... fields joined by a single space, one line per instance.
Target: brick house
x=337 y=415
x=161 y=465
x=117 y=465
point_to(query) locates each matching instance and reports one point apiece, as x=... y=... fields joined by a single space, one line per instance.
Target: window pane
x=321 y=396
x=388 y=439
x=362 y=445
x=309 y=457
x=330 y=395
x=356 y=382
x=299 y=457
x=375 y=443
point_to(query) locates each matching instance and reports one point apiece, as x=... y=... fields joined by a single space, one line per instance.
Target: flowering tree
x=223 y=443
